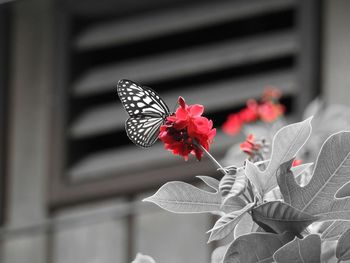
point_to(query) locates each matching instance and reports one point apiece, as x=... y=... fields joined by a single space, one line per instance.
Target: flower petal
x=182 y=102
x=184 y=128
x=196 y=110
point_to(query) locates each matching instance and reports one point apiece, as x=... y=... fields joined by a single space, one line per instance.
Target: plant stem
x=217 y=164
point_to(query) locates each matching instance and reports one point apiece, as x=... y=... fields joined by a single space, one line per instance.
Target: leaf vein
x=326 y=182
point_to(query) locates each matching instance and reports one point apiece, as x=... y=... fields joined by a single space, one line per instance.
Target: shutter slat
x=187 y=62
x=151 y=25
x=122 y=160
x=215 y=96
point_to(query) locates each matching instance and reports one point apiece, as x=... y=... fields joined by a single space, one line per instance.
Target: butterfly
x=147 y=112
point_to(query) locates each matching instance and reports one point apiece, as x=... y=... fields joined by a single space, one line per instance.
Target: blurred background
x=70 y=180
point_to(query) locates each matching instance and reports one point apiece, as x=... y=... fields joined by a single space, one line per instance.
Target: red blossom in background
x=268 y=109
x=187 y=128
x=251 y=112
x=233 y=124
x=250 y=146
x=271 y=94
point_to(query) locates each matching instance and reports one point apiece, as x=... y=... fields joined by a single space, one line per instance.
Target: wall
x=28 y=130
x=336 y=52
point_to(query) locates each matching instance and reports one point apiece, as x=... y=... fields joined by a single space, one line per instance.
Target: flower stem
x=217 y=164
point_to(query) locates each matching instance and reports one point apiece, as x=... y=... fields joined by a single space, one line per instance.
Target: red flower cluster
x=271 y=94
x=249 y=146
x=185 y=129
x=268 y=109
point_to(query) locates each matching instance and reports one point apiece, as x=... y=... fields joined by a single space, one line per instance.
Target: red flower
x=271 y=93
x=250 y=113
x=249 y=146
x=235 y=121
x=185 y=129
x=233 y=124
x=297 y=162
x=269 y=111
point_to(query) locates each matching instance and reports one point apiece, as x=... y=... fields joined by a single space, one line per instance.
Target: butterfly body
x=147 y=112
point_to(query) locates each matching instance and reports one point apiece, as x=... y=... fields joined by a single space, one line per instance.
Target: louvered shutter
x=216 y=53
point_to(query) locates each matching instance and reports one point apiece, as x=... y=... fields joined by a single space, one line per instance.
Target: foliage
x=264 y=244
x=343 y=248
x=307 y=249
x=270 y=202
x=140 y=258
x=286 y=222
x=331 y=173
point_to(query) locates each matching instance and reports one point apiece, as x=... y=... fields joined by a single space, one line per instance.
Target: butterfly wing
x=143 y=130
x=146 y=109
x=138 y=100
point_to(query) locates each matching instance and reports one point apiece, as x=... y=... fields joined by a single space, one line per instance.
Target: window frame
x=4 y=82
x=63 y=193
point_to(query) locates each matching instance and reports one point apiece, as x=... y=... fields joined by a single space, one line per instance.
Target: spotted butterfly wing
x=146 y=109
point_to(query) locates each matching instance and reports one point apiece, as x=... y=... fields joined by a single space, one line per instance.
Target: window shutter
x=215 y=53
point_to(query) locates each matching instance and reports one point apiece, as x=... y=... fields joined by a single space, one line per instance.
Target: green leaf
x=284 y=172
x=226 y=184
x=307 y=250
x=281 y=217
x=342 y=251
x=245 y=226
x=302 y=173
x=140 y=258
x=286 y=143
x=328 y=251
x=180 y=197
x=334 y=229
x=332 y=172
x=313 y=108
x=237 y=187
x=299 y=169
x=256 y=247
x=227 y=223
x=210 y=181
x=344 y=191
x=218 y=254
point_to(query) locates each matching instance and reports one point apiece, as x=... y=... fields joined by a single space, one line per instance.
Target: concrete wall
x=30 y=83
x=336 y=51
